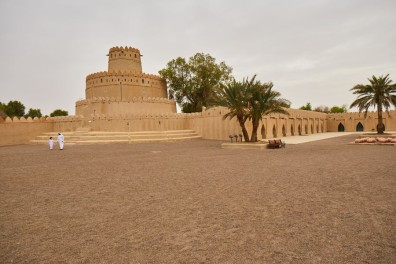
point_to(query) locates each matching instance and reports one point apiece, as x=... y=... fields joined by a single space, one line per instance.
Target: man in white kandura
x=61 y=139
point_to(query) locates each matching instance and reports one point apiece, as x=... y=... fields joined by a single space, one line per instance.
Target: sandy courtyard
x=193 y=202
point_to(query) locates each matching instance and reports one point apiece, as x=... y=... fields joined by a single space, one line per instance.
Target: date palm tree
x=235 y=96
x=380 y=93
x=250 y=100
x=264 y=101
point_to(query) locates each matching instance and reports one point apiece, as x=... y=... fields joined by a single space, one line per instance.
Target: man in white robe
x=61 y=140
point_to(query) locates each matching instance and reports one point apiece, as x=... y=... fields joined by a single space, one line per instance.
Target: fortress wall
x=210 y=125
x=142 y=105
x=21 y=131
x=136 y=123
x=350 y=121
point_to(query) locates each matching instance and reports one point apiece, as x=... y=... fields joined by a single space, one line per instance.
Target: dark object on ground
x=276 y=143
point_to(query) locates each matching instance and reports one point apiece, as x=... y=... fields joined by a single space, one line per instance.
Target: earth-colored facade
x=125 y=87
x=123 y=98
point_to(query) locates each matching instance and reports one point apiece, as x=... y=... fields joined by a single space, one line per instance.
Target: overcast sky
x=312 y=50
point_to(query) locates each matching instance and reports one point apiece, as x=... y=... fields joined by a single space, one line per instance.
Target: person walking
x=51 y=143
x=61 y=140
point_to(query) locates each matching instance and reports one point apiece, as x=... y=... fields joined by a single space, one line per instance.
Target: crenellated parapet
x=357 y=115
x=144 y=116
x=65 y=118
x=122 y=74
x=126 y=49
x=125 y=60
x=293 y=113
x=22 y=119
x=129 y=100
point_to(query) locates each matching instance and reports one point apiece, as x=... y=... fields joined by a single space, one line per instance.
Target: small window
x=135 y=56
x=101 y=80
x=142 y=80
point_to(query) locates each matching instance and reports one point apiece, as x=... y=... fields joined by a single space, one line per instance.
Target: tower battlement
x=125 y=60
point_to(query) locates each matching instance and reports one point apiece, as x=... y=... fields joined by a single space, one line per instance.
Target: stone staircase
x=94 y=137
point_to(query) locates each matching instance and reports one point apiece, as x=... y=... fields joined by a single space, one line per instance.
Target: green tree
x=235 y=96
x=250 y=100
x=380 y=93
x=193 y=84
x=322 y=108
x=264 y=101
x=307 y=107
x=34 y=113
x=2 y=110
x=15 y=108
x=338 y=109
x=59 y=112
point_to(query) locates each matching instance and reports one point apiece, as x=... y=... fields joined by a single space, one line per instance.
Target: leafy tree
x=307 y=107
x=15 y=108
x=2 y=110
x=322 y=108
x=34 y=113
x=339 y=109
x=193 y=83
x=235 y=95
x=380 y=93
x=264 y=101
x=59 y=112
x=250 y=99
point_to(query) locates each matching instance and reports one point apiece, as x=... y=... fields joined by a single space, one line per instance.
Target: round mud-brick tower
x=125 y=60
x=124 y=88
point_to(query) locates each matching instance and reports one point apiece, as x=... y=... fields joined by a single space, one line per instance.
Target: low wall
x=357 y=121
x=211 y=125
x=21 y=131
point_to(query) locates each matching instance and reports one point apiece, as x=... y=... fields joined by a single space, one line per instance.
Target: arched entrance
x=312 y=129
x=359 y=127
x=306 y=129
x=274 y=131
x=284 y=130
x=263 y=132
x=299 y=130
x=322 y=128
x=341 y=127
x=292 y=130
x=317 y=128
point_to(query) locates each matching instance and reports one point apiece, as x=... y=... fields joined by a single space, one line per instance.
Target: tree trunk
x=255 y=124
x=244 y=131
x=380 y=126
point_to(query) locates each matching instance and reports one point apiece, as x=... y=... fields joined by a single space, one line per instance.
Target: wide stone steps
x=93 y=137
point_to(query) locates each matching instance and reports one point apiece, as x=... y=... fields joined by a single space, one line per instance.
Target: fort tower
x=124 y=88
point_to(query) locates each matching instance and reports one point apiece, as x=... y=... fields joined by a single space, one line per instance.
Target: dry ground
x=193 y=202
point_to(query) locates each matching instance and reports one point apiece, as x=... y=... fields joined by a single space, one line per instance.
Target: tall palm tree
x=379 y=93
x=235 y=96
x=264 y=101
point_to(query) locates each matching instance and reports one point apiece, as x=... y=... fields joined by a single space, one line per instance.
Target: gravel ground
x=193 y=202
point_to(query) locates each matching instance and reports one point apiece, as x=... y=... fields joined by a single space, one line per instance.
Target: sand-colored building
x=124 y=98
